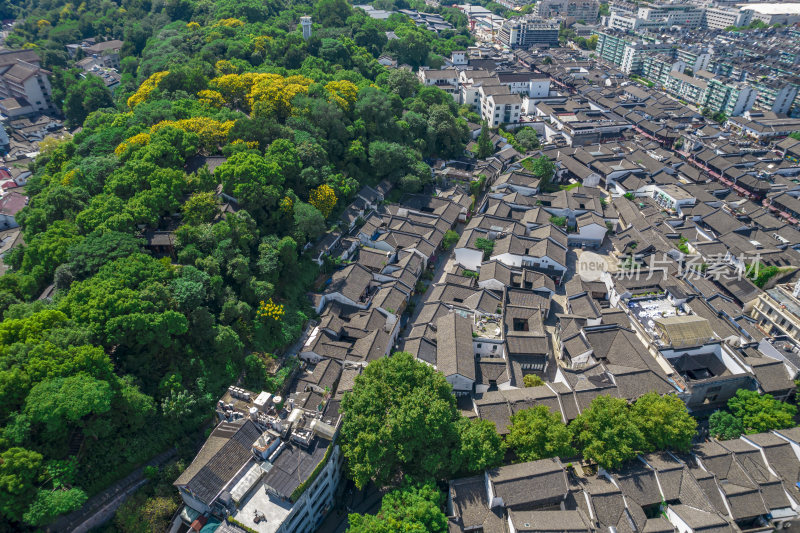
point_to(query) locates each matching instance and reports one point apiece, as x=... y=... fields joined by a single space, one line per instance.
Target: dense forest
x=130 y=354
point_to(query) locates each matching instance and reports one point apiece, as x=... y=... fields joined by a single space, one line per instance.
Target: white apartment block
x=446 y=80
x=777 y=311
x=499 y=109
x=774 y=13
x=585 y=10
x=23 y=79
x=654 y=17
x=719 y=18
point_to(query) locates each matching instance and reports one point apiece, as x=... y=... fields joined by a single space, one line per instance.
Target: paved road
x=106 y=512
x=101 y=507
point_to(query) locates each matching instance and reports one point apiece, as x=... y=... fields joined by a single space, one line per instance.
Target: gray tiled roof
x=529 y=484
x=217 y=469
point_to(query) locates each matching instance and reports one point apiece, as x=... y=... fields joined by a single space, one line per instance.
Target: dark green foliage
x=606 y=433
x=527 y=138
x=723 y=425
x=97 y=249
x=401 y=420
x=485 y=146
x=151 y=508
x=545 y=170
x=84 y=96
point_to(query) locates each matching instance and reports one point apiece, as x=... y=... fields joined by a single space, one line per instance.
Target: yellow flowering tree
x=69 y=177
x=263 y=93
x=343 y=93
x=260 y=43
x=193 y=26
x=223 y=67
x=233 y=88
x=138 y=140
x=250 y=145
x=230 y=23
x=212 y=98
x=270 y=310
x=324 y=199
x=211 y=133
x=147 y=87
x=43 y=26
x=286 y=205
x=272 y=94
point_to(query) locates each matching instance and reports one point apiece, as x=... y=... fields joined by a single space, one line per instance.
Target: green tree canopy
x=664 y=422
x=527 y=138
x=536 y=433
x=83 y=96
x=450 y=239
x=481 y=446
x=723 y=425
x=606 y=433
x=532 y=380
x=761 y=412
x=56 y=403
x=19 y=470
x=411 y=509
x=545 y=170
x=485 y=146
x=399 y=420
x=200 y=208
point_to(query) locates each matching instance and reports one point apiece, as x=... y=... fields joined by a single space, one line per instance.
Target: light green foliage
x=761 y=412
x=532 y=380
x=49 y=504
x=200 y=208
x=411 y=509
x=54 y=403
x=19 y=470
x=536 y=433
x=664 y=422
x=485 y=245
x=450 y=239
